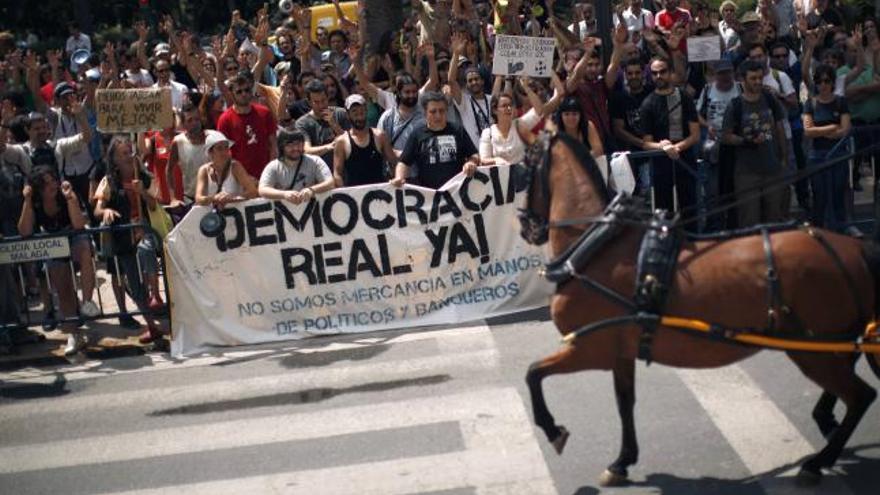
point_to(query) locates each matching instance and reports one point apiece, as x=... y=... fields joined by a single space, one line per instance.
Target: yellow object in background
x=325 y=16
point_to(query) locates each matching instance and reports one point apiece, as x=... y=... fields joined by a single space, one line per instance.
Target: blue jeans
x=829 y=190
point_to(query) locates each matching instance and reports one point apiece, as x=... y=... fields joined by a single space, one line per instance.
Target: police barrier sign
x=34 y=250
x=134 y=110
x=353 y=260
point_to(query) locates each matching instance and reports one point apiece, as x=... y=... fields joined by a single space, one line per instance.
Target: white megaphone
x=285 y=6
x=80 y=56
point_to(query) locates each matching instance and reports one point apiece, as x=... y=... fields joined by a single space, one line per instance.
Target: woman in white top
x=504 y=142
x=222 y=180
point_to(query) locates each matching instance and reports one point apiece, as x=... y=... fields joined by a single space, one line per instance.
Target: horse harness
x=657 y=261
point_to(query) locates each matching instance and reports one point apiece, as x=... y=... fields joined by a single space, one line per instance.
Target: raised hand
x=67 y=191
x=27 y=192
x=53 y=57
x=140 y=27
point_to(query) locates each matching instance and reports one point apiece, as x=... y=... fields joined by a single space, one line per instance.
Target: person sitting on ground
x=294 y=176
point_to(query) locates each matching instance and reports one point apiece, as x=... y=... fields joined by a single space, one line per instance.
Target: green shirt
x=867 y=109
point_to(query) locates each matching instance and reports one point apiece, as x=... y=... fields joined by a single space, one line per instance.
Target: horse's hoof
x=806 y=477
x=559 y=443
x=609 y=479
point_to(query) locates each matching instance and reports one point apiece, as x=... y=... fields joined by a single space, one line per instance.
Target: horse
x=828 y=284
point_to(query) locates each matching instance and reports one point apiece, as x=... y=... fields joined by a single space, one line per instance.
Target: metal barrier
x=23 y=261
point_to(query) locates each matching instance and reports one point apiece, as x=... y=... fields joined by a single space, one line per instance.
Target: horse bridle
x=535 y=227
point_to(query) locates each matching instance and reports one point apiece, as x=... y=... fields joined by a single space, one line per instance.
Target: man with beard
x=188 y=152
x=625 y=116
x=753 y=123
x=323 y=123
x=250 y=126
x=360 y=154
x=670 y=124
x=294 y=176
x=474 y=105
x=438 y=148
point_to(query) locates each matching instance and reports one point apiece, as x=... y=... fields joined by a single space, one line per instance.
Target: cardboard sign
x=704 y=48
x=523 y=56
x=34 y=250
x=134 y=110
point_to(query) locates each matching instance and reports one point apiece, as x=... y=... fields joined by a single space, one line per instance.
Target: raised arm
x=459 y=43
x=618 y=40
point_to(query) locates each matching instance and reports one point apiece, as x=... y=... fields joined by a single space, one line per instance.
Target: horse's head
x=534 y=176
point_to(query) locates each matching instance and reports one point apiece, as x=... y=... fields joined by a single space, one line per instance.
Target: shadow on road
x=307 y=396
x=859 y=473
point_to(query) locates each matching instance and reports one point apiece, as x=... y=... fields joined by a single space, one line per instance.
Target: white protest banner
x=134 y=110
x=523 y=56
x=353 y=260
x=34 y=250
x=704 y=48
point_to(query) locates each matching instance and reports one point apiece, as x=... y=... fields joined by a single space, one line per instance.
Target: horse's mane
x=588 y=163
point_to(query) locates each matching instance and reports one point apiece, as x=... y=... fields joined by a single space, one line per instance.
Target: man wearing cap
x=474 y=105
x=438 y=148
x=179 y=91
x=750 y=35
x=294 y=176
x=64 y=122
x=323 y=123
x=359 y=155
x=711 y=105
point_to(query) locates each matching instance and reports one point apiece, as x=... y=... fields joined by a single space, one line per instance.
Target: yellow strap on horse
x=781 y=343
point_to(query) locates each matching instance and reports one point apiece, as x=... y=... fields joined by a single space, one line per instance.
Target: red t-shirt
x=593 y=97
x=666 y=19
x=157 y=163
x=48 y=92
x=250 y=132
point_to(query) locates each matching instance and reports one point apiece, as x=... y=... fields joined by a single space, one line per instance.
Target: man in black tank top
x=359 y=155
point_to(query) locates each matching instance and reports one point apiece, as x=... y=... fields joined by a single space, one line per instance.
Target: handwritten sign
x=523 y=56
x=34 y=250
x=134 y=110
x=704 y=48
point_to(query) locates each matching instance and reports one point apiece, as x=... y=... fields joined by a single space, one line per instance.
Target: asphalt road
x=428 y=411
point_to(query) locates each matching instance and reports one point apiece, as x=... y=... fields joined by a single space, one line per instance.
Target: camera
x=285 y=6
x=212 y=224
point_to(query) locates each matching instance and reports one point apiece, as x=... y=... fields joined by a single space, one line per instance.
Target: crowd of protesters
x=270 y=109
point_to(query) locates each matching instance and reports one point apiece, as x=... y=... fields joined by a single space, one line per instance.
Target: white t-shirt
x=471 y=109
x=636 y=22
x=780 y=81
x=511 y=149
x=178 y=94
x=141 y=79
x=191 y=157
x=63 y=148
x=279 y=175
x=715 y=102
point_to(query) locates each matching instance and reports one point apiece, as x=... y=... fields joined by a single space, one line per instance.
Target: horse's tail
x=871 y=254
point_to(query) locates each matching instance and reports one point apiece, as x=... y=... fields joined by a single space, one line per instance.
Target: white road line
x=501 y=454
x=461 y=339
x=755 y=428
x=454 y=364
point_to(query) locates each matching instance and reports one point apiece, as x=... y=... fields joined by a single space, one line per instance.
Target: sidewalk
x=106 y=338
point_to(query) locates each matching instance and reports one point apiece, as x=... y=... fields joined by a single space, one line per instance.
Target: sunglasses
x=825 y=80
x=242 y=91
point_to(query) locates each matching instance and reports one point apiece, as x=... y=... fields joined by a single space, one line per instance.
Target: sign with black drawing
x=523 y=56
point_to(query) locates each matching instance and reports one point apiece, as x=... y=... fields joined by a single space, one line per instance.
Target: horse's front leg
x=625 y=391
x=539 y=370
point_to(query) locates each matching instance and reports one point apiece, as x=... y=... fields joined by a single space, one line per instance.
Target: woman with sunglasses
x=827 y=121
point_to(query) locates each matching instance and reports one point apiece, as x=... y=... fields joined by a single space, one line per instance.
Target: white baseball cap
x=215 y=137
x=353 y=100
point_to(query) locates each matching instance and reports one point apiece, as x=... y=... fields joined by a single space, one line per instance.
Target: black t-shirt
x=825 y=114
x=438 y=155
x=58 y=222
x=657 y=110
x=625 y=106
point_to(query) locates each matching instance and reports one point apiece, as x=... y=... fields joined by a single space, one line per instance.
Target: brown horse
x=719 y=281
